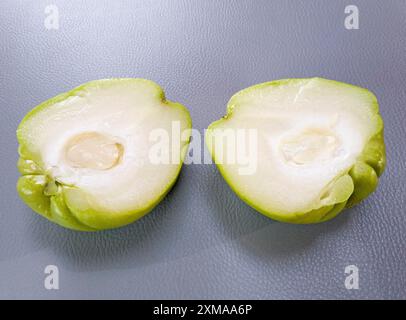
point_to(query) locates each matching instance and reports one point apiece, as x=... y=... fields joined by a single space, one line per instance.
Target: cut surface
x=92 y=148
x=310 y=133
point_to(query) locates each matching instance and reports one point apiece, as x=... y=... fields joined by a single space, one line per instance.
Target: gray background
x=202 y=241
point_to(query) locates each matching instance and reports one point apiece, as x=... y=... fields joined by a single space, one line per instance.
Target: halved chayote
x=84 y=154
x=319 y=147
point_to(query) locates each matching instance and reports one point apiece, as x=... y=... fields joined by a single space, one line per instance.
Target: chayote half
x=317 y=147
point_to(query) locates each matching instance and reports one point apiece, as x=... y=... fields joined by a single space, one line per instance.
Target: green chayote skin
x=48 y=197
x=365 y=176
x=351 y=187
x=32 y=188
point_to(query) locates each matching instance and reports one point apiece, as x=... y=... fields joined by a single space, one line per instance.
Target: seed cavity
x=311 y=146
x=93 y=150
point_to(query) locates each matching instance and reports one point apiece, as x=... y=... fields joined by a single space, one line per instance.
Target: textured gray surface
x=202 y=241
